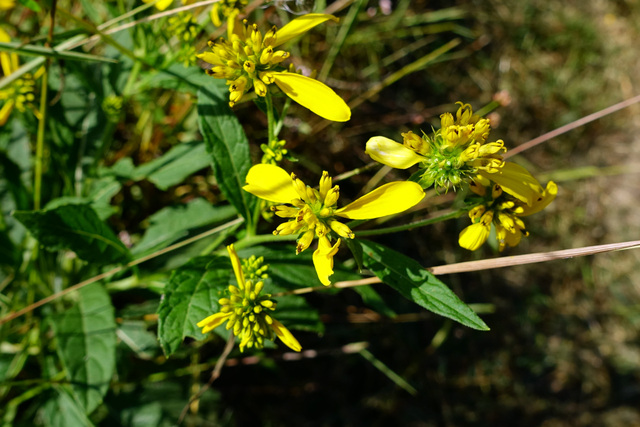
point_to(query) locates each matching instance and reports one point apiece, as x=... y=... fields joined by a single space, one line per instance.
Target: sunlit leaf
x=191 y=294
x=417 y=284
x=227 y=145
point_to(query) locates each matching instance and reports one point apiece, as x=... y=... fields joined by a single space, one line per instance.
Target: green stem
x=270 y=118
x=262 y=238
x=37 y=185
x=411 y=225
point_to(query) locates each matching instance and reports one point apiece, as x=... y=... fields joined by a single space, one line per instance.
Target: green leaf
x=175 y=165
x=172 y=223
x=63 y=411
x=75 y=227
x=180 y=78
x=191 y=295
x=228 y=147
x=35 y=50
x=374 y=300
x=86 y=335
x=31 y=4
x=418 y=285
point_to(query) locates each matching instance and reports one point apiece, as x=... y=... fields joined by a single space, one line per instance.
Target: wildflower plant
x=135 y=136
x=246 y=310
x=247 y=60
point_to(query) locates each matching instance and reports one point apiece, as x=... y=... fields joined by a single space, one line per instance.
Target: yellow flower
x=160 y=4
x=18 y=94
x=456 y=153
x=314 y=212
x=7 y=4
x=226 y=8
x=504 y=212
x=250 y=60
x=246 y=311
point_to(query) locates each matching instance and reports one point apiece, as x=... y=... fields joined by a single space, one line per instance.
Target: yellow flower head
x=493 y=206
x=274 y=152
x=246 y=311
x=313 y=212
x=456 y=153
x=160 y=4
x=185 y=27
x=19 y=94
x=249 y=59
x=226 y=8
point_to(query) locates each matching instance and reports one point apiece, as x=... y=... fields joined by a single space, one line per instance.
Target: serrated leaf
x=415 y=283
x=63 y=411
x=172 y=223
x=86 y=336
x=191 y=294
x=75 y=227
x=227 y=146
x=175 y=165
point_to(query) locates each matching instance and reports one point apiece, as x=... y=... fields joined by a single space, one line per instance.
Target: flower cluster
x=491 y=205
x=456 y=152
x=246 y=311
x=249 y=59
x=313 y=212
x=19 y=94
x=228 y=9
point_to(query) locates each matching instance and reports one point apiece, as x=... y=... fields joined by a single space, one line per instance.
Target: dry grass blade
x=487 y=264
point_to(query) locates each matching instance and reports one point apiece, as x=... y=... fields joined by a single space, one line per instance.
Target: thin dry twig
x=113 y=271
x=214 y=376
x=573 y=125
x=485 y=264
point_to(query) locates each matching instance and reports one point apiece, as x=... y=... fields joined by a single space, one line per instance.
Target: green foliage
x=78 y=228
x=415 y=283
x=191 y=294
x=173 y=222
x=86 y=337
x=227 y=146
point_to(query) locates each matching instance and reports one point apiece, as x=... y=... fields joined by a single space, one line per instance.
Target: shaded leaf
x=75 y=227
x=228 y=147
x=171 y=223
x=191 y=294
x=415 y=283
x=180 y=78
x=63 y=411
x=86 y=335
x=175 y=165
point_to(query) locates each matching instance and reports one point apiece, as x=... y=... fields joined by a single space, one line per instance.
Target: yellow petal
x=474 y=236
x=212 y=322
x=323 y=259
x=389 y=199
x=160 y=4
x=301 y=25
x=517 y=181
x=314 y=95
x=285 y=336
x=235 y=263
x=391 y=153
x=271 y=183
x=5 y=60
x=6 y=110
x=7 y=4
x=542 y=201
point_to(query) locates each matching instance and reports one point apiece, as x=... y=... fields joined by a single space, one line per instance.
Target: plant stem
x=411 y=225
